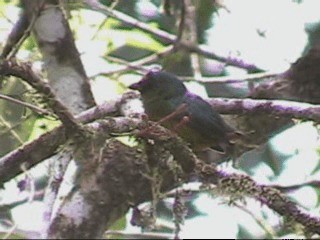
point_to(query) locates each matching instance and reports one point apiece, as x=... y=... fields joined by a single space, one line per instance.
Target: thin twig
x=25 y=72
x=170 y=38
x=10 y=231
x=127 y=66
x=234 y=79
x=290 y=188
x=238 y=187
x=139 y=64
x=271 y=234
x=25 y=104
x=11 y=130
x=113 y=5
x=24 y=118
x=24 y=36
x=20 y=33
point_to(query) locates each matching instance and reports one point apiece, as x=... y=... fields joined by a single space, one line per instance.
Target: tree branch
x=30 y=154
x=25 y=72
x=25 y=104
x=239 y=186
x=139 y=64
x=117 y=177
x=136 y=188
x=201 y=50
x=43 y=147
x=233 y=79
x=279 y=108
x=18 y=35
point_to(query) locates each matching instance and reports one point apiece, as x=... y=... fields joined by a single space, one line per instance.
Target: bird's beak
x=135 y=86
x=141 y=85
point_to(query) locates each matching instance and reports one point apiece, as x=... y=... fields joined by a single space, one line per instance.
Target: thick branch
x=30 y=154
x=279 y=108
x=65 y=71
x=116 y=177
x=10 y=163
x=239 y=186
x=45 y=146
x=235 y=185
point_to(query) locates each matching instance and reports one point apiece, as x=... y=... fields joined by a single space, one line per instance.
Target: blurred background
x=269 y=34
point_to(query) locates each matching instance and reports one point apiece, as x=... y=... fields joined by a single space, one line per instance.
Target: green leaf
x=136 y=39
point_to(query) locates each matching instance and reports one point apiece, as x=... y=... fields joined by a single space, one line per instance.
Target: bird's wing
x=204 y=119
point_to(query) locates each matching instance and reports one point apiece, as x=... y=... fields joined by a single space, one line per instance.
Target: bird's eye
x=150 y=74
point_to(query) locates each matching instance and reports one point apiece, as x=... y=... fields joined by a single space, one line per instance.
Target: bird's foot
x=181 y=124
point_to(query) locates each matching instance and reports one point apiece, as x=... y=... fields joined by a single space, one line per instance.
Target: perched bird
x=166 y=100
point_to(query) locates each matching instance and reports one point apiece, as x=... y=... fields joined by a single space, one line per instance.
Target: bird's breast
x=157 y=109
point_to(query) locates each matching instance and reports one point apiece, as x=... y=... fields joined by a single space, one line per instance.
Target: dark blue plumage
x=163 y=93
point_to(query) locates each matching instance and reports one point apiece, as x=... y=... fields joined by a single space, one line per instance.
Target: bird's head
x=159 y=84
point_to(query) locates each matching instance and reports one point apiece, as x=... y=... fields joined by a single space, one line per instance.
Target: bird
x=167 y=101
